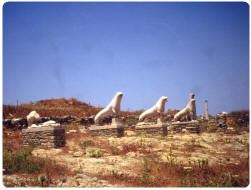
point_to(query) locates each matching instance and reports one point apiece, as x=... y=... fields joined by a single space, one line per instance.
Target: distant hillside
x=74 y=107
x=61 y=102
x=51 y=107
x=56 y=107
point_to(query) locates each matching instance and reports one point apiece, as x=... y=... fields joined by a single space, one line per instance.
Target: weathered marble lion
x=189 y=111
x=32 y=118
x=112 y=109
x=159 y=107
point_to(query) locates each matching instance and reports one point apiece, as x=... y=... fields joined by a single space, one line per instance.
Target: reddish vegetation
x=238 y=118
x=51 y=107
x=62 y=102
x=12 y=139
x=13 y=145
x=56 y=108
x=156 y=174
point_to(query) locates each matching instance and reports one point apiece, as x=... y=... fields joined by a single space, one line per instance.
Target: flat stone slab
x=185 y=123
x=49 y=136
x=101 y=127
x=41 y=129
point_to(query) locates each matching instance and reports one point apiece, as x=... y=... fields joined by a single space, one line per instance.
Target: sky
x=90 y=51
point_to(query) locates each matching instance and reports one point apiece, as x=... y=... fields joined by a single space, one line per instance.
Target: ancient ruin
x=116 y=128
x=47 y=136
x=189 y=112
x=206 y=114
x=32 y=118
x=186 y=118
x=158 y=128
x=112 y=109
x=90 y=148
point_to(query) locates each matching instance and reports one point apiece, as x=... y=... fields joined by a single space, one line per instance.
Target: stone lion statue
x=112 y=109
x=189 y=111
x=159 y=107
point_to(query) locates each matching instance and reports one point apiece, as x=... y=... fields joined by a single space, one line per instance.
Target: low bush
x=198 y=174
x=20 y=161
x=95 y=153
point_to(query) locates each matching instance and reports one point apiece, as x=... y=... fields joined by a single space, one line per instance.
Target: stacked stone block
x=158 y=130
x=115 y=129
x=106 y=131
x=51 y=136
x=192 y=127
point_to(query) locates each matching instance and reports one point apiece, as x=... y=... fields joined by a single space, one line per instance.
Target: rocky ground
x=93 y=159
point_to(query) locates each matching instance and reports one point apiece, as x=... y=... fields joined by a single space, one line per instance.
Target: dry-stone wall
x=153 y=130
x=192 y=127
x=106 y=131
x=49 y=136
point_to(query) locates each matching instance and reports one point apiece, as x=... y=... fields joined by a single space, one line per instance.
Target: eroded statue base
x=115 y=129
x=190 y=126
x=48 y=136
x=158 y=128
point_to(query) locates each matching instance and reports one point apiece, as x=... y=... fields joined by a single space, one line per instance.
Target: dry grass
x=12 y=139
x=156 y=174
x=19 y=160
x=135 y=147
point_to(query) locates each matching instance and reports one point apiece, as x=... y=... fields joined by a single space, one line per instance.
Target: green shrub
x=96 y=153
x=131 y=120
x=20 y=161
x=146 y=178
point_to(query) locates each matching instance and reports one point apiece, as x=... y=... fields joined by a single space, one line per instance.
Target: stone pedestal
x=190 y=126
x=115 y=129
x=158 y=128
x=50 y=136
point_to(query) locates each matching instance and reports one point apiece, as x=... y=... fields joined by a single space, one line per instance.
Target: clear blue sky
x=146 y=50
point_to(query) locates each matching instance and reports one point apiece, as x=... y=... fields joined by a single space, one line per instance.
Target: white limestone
x=49 y=123
x=112 y=109
x=32 y=117
x=189 y=111
x=193 y=107
x=33 y=125
x=159 y=107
